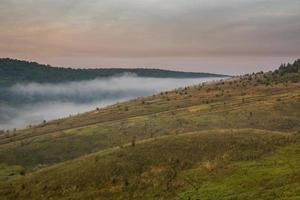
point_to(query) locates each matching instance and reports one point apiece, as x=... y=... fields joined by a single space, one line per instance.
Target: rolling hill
x=14 y=71
x=231 y=139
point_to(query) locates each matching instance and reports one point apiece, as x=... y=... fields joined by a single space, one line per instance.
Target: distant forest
x=16 y=71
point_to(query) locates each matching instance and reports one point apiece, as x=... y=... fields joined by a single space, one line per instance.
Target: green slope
x=57 y=141
x=220 y=158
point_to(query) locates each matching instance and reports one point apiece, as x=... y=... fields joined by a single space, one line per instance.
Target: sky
x=220 y=36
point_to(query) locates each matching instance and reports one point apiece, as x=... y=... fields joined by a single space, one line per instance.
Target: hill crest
x=15 y=71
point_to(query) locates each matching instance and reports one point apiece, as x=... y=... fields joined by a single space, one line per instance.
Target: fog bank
x=33 y=102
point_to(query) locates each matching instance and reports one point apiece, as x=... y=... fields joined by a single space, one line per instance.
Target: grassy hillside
x=233 y=139
x=143 y=172
x=14 y=71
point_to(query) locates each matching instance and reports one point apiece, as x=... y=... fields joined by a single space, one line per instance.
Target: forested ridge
x=15 y=71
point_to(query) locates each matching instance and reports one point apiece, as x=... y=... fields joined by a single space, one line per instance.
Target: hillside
x=233 y=139
x=16 y=71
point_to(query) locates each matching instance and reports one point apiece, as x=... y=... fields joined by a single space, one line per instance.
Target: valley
x=228 y=139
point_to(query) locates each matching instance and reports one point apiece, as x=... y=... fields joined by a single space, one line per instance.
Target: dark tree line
x=15 y=71
x=289 y=68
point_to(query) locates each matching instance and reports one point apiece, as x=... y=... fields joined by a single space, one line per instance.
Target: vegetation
x=231 y=139
x=16 y=71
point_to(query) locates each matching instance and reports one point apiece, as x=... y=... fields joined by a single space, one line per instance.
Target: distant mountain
x=15 y=71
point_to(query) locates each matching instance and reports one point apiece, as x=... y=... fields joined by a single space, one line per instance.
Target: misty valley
x=32 y=93
x=31 y=103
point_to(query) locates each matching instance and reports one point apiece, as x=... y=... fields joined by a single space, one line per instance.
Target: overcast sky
x=226 y=36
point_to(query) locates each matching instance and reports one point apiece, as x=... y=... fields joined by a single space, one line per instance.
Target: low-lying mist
x=33 y=102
